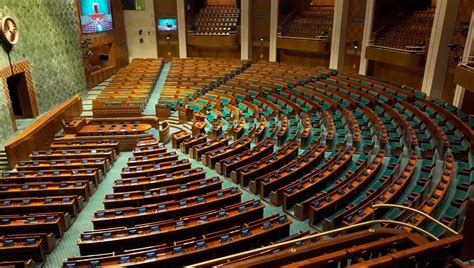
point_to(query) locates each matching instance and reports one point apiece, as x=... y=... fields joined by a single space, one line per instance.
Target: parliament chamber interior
x=237 y=133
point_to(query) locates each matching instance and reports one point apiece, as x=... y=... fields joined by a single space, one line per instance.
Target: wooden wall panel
x=323 y=2
x=468 y=101
x=118 y=53
x=400 y=75
x=303 y=58
x=167 y=48
x=260 y=29
x=213 y=52
x=221 y=2
x=355 y=32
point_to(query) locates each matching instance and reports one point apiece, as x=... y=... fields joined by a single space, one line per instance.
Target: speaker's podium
x=185 y=114
x=199 y=124
x=162 y=111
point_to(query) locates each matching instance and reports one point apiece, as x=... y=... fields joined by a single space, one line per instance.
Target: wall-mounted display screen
x=96 y=16
x=167 y=25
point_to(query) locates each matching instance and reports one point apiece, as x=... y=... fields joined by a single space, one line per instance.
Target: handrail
x=467 y=62
x=467 y=65
x=289 y=242
x=467 y=57
x=322 y=38
x=411 y=51
x=206 y=34
x=287 y=17
x=376 y=206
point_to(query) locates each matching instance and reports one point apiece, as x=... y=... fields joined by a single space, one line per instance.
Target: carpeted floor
x=67 y=246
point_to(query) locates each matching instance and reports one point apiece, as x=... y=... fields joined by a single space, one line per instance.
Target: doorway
x=18 y=90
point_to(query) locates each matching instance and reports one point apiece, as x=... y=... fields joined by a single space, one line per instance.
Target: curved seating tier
x=314 y=143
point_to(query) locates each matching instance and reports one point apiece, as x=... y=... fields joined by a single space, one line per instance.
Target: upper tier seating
x=313 y=23
x=412 y=32
x=217 y=20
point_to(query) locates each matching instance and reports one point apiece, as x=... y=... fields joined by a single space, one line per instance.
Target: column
x=339 y=30
x=181 y=28
x=273 y=30
x=369 y=20
x=438 y=51
x=468 y=51
x=245 y=33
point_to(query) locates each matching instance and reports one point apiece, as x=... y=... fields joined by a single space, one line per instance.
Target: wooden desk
x=255 y=234
x=198 y=127
x=152 y=159
x=226 y=166
x=178 y=137
x=161 y=180
x=70 y=204
x=166 y=210
x=192 y=141
x=198 y=151
x=113 y=129
x=296 y=169
x=74 y=126
x=214 y=156
x=53 y=222
x=277 y=159
x=43 y=189
x=52 y=176
x=101 y=164
x=84 y=144
x=150 y=170
x=74 y=154
x=162 y=194
x=95 y=242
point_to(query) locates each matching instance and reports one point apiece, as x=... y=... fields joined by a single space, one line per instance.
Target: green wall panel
x=50 y=42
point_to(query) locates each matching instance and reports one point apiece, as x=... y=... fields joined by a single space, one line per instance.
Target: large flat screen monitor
x=96 y=16
x=167 y=25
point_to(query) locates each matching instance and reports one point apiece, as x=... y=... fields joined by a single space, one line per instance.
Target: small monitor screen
x=167 y=25
x=96 y=16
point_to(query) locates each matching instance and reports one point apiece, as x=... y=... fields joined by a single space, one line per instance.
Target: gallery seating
x=217 y=20
x=315 y=22
x=411 y=33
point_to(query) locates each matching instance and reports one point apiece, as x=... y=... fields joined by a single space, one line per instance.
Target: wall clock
x=9 y=30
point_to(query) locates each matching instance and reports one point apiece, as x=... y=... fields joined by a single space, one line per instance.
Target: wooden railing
x=41 y=133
